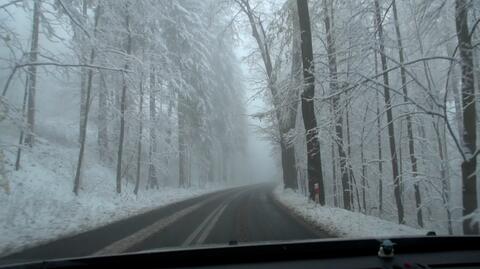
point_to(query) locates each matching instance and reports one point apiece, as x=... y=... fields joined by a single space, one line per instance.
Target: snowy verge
x=42 y=207
x=340 y=222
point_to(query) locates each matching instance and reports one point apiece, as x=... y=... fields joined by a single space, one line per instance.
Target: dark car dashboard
x=411 y=252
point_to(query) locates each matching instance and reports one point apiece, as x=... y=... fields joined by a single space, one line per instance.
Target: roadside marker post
x=317 y=193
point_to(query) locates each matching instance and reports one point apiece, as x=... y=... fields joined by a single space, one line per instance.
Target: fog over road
x=242 y=214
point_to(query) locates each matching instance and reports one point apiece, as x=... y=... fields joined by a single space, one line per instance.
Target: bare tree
x=411 y=141
x=83 y=75
x=182 y=147
x=123 y=104
x=152 y=174
x=32 y=71
x=388 y=108
x=139 y=141
x=287 y=151
x=336 y=111
x=379 y=144
x=102 y=118
x=22 y=132
x=76 y=182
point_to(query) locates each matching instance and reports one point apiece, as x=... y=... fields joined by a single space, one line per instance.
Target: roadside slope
x=41 y=206
x=337 y=221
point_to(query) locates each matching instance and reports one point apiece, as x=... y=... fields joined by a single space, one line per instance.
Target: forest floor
x=41 y=206
x=340 y=222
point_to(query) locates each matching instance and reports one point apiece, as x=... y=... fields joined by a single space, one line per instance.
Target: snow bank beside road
x=42 y=207
x=340 y=222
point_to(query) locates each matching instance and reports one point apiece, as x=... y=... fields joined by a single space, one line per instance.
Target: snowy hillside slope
x=41 y=205
x=340 y=222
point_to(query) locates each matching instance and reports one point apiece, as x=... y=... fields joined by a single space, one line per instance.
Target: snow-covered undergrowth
x=340 y=222
x=41 y=205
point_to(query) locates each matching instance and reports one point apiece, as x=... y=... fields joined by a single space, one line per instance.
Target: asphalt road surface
x=243 y=214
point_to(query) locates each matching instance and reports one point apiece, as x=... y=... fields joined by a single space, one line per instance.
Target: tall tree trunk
x=351 y=176
x=337 y=114
x=102 y=119
x=32 y=78
x=364 y=165
x=442 y=150
x=380 y=159
x=168 y=139
x=290 y=170
x=187 y=166
x=431 y=85
x=334 y=173
x=469 y=166
x=139 y=142
x=152 y=173
x=76 y=183
x=123 y=105
x=182 y=150
x=453 y=85
x=446 y=181
x=22 y=132
x=83 y=75
x=379 y=146
x=314 y=162
x=411 y=142
x=390 y=123
x=475 y=59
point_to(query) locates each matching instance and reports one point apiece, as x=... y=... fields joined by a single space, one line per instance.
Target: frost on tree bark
x=390 y=124
x=469 y=166
x=336 y=112
x=123 y=105
x=411 y=142
x=314 y=163
x=76 y=183
x=32 y=71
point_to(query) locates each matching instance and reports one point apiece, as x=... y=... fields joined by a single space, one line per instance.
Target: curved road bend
x=242 y=214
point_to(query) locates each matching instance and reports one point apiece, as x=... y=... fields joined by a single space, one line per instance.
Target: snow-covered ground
x=340 y=222
x=41 y=205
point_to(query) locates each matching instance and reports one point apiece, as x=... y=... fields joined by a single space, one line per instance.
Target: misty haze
x=140 y=125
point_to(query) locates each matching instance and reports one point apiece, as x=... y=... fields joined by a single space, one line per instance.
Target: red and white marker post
x=316 y=188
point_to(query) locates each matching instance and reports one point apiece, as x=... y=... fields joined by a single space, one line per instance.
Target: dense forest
x=370 y=105
x=156 y=83
x=374 y=103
